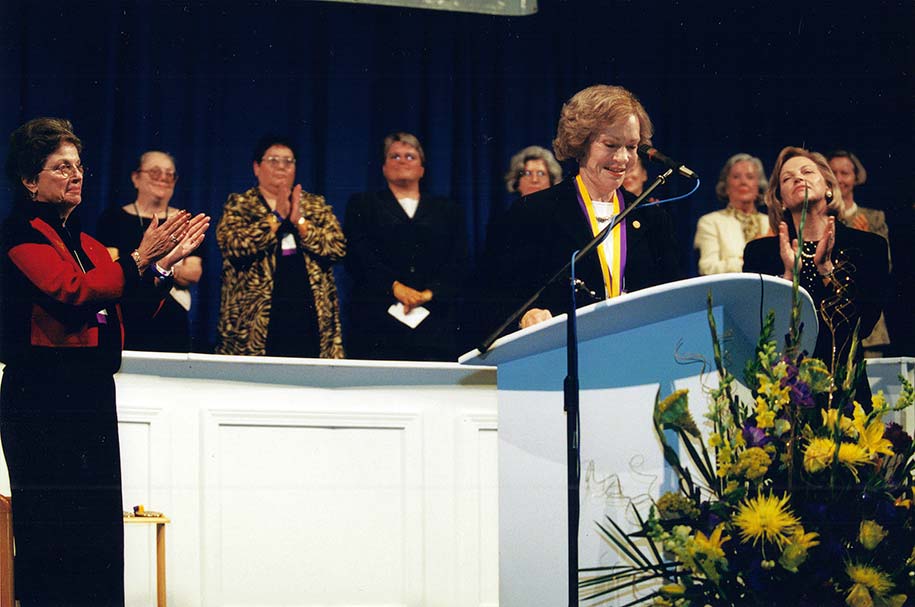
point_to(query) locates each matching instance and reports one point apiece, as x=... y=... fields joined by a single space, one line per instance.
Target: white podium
x=629 y=348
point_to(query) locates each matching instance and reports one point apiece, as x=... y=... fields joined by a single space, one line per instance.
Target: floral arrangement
x=800 y=496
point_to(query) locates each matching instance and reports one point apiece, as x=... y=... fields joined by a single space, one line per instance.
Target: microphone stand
x=571 y=382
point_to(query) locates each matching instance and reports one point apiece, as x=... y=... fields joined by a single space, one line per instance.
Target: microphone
x=652 y=154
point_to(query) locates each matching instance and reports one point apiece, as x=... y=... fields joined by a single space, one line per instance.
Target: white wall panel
x=306 y=483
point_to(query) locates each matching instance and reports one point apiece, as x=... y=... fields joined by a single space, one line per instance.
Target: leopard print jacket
x=249 y=259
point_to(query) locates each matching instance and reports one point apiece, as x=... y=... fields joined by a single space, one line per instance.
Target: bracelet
x=136 y=258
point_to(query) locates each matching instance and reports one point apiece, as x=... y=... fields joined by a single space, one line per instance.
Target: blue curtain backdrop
x=204 y=80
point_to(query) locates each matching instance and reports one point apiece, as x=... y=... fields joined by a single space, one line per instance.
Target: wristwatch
x=300 y=221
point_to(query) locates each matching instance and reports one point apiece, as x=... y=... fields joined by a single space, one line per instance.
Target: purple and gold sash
x=612 y=271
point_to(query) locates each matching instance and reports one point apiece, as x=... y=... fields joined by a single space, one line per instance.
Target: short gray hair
x=531 y=152
x=722 y=186
x=403 y=137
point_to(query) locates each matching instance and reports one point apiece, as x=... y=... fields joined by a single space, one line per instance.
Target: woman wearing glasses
x=60 y=339
x=278 y=246
x=406 y=261
x=121 y=229
x=532 y=169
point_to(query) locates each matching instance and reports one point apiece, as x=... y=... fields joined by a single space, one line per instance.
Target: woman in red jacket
x=60 y=339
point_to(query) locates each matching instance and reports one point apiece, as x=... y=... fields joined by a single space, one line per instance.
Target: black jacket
x=862 y=267
x=425 y=252
x=543 y=230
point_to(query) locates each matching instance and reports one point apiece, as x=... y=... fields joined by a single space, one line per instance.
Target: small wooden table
x=159 y=522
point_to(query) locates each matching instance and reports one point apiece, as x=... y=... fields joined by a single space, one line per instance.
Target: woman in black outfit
x=60 y=339
x=406 y=255
x=121 y=229
x=845 y=271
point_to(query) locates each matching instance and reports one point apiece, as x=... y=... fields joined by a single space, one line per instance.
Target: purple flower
x=755 y=437
x=899 y=437
x=800 y=393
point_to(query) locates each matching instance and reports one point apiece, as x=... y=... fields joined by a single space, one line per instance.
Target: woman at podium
x=845 y=271
x=600 y=128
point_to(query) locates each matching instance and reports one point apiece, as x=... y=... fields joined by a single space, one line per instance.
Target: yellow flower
x=870 y=534
x=711 y=545
x=871 y=439
x=878 y=401
x=753 y=463
x=781 y=426
x=831 y=418
x=859 y=596
x=765 y=518
x=724 y=457
x=852 y=455
x=673 y=505
x=859 y=417
x=714 y=440
x=795 y=551
x=764 y=416
x=674 y=411
x=739 y=441
x=773 y=390
x=869 y=583
x=819 y=454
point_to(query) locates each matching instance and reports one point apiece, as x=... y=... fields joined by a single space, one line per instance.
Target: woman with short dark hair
x=60 y=339
x=279 y=245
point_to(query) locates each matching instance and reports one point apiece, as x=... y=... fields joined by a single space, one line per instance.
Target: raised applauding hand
x=174 y=239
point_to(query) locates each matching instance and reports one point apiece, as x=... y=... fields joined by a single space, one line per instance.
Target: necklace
x=140 y=219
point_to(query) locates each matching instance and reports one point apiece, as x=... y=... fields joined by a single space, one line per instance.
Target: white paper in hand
x=412 y=320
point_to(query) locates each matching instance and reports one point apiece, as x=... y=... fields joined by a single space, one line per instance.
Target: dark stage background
x=204 y=80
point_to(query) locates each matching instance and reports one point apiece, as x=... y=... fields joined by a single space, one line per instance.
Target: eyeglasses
x=278 y=161
x=65 y=169
x=527 y=173
x=409 y=156
x=158 y=174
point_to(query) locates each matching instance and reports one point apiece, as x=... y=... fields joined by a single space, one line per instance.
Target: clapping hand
x=193 y=236
x=159 y=239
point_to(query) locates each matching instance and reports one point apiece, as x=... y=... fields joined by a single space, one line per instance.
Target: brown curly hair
x=591 y=109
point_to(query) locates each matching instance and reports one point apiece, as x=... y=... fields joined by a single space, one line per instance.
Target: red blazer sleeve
x=51 y=268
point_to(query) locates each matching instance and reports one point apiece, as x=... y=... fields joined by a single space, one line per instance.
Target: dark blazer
x=862 y=266
x=425 y=252
x=543 y=230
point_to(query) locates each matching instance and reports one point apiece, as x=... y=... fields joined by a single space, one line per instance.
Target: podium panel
x=630 y=349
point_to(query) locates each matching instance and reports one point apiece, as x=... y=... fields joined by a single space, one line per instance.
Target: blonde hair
x=773 y=196
x=860 y=171
x=591 y=109
x=403 y=137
